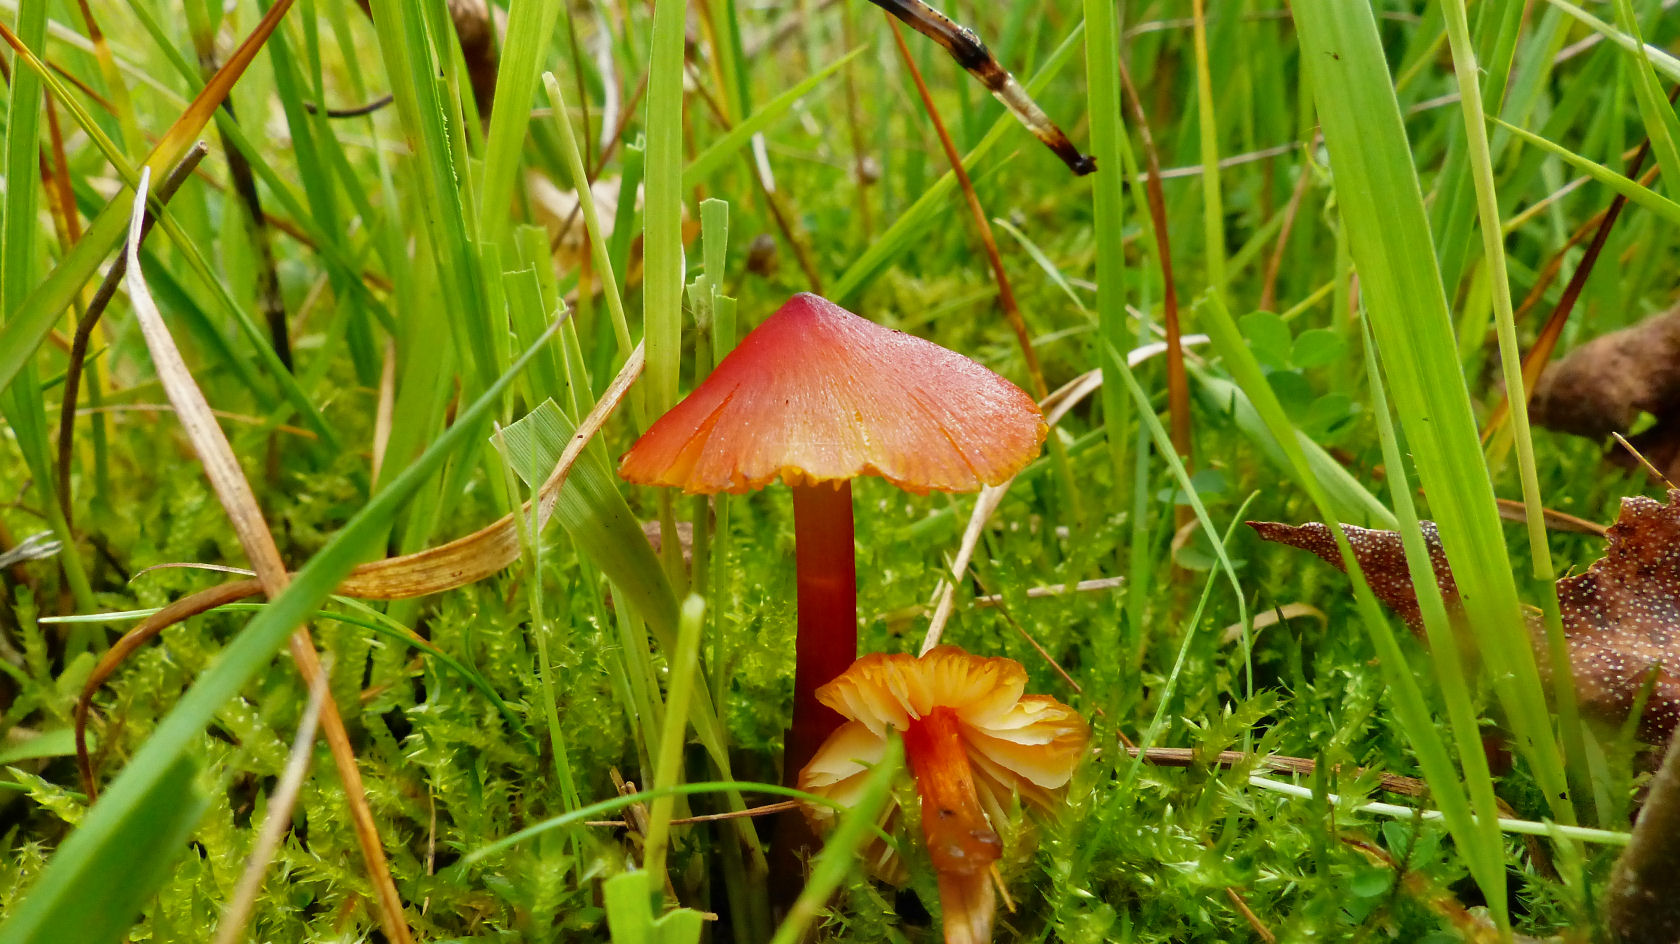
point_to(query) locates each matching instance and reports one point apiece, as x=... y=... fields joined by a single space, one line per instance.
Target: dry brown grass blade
x=434 y=570
x=1512 y=510
x=1178 y=380
x=983 y=226
x=1272 y=617
x=384 y=415
x=276 y=821
x=1472 y=925
x=227 y=479
x=1274 y=263
x=1055 y=406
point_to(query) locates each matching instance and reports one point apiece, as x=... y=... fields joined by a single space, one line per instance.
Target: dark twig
x=970 y=53
x=245 y=186
x=355 y=111
x=84 y=325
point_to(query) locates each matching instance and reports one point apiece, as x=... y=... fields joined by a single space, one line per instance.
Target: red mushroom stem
x=826 y=644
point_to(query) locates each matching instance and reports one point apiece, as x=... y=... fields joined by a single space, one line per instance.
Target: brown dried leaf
x=1603 y=386
x=1381 y=557
x=1622 y=618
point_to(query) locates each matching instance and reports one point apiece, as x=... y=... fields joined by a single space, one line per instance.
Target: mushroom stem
x=826 y=644
x=961 y=845
x=959 y=840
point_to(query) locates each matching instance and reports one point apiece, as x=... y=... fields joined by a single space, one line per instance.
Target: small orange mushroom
x=817 y=396
x=972 y=739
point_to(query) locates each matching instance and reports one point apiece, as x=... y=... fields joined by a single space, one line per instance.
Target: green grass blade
x=528 y=30
x=129 y=863
x=1102 y=79
x=1493 y=252
x=1382 y=207
x=839 y=854
x=91 y=851
x=1643 y=196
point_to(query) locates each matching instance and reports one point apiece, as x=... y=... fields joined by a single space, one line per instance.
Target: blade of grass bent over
x=227 y=479
x=89 y=851
x=1668 y=209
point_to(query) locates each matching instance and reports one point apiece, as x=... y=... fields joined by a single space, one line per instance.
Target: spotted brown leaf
x=1622 y=618
x=1381 y=556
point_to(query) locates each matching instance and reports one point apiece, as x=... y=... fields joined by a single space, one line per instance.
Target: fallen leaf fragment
x=1381 y=557
x=1621 y=617
x=1602 y=386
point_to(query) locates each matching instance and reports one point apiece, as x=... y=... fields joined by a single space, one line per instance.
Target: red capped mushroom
x=817 y=396
x=973 y=740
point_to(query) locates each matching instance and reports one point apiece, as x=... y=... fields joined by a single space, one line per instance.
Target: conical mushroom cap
x=818 y=394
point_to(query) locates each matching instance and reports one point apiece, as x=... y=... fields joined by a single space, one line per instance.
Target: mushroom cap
x=818 y=394
x=1026 y=745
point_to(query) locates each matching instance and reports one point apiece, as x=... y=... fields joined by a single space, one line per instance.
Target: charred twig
x=970 y=53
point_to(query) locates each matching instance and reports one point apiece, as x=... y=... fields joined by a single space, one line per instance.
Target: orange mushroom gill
x=973 y=740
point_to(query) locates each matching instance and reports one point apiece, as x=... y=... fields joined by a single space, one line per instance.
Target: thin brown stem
x=1006 y=294
x=1274 y=263
x=244 y=183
